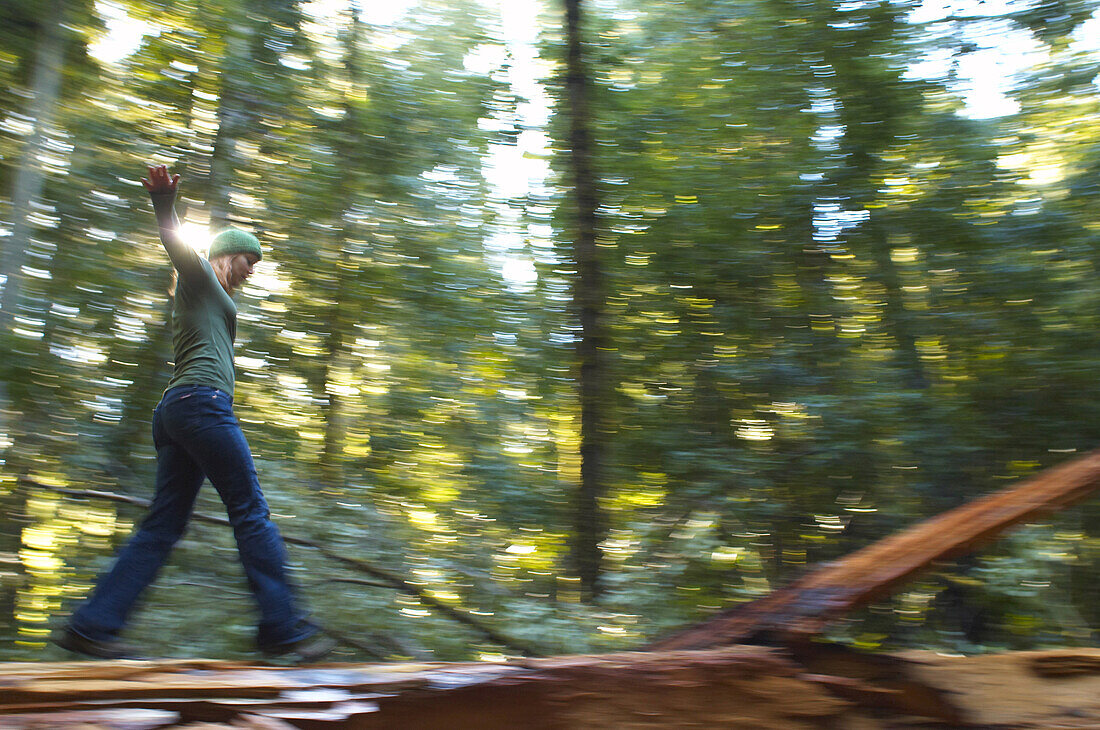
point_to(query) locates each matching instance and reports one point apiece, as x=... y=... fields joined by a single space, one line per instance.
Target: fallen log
x=803 y=608
x=745 y=686
x=732 y=687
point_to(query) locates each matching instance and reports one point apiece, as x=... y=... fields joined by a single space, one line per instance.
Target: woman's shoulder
x=200 y=278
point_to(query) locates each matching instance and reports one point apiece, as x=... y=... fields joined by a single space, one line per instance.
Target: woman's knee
x=251 y=512
x=160 y=539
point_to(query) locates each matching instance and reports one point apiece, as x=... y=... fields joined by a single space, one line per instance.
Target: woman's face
x=241 y=267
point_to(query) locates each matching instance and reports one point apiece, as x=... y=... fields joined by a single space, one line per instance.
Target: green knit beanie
x=233 y=240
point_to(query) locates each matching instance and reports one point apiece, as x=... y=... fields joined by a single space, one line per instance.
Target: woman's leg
x=207 y=428
x=102 y=616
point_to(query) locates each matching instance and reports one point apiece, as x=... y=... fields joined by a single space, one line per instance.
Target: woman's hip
x=189 y=412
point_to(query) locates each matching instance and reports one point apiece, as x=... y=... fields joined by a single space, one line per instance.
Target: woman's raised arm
x=161 y=187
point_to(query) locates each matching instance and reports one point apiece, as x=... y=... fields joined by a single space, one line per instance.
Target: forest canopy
x=576 y=322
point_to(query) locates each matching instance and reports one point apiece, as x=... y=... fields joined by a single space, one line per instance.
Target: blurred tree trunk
x=347 y=143
x=898 y=318
x=877 y=108
x=590 y=523
x=232 y=117
x=30 y=177
x=151 y=374
x=333 y=407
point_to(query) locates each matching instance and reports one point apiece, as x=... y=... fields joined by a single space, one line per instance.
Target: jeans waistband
x=192 y=387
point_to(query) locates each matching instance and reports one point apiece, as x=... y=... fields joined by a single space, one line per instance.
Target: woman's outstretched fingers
x=159 y=180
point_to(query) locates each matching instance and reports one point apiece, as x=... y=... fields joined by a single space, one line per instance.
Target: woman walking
x=197 y=436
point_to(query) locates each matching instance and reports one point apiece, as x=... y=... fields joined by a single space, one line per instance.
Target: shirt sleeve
x=184 y=258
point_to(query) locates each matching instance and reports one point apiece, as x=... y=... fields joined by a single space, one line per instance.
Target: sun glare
x=195 y=235
x=267 y=278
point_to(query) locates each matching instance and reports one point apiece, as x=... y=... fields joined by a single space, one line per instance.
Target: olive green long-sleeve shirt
x=204 y=318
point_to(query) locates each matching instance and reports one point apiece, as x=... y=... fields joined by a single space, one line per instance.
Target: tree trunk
x=341 y=328
x=332 y=447
x=588 y=299
x=30 y=178
x=150 y=376
x=897 y=316
x=232 y=111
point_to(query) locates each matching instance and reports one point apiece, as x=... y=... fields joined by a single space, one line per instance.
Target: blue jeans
x=196 y=436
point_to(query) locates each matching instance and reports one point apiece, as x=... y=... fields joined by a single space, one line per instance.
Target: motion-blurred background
x=842 y=276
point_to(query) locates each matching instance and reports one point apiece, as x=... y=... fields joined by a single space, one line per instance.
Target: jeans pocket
x=182 y=409
x=183 y=392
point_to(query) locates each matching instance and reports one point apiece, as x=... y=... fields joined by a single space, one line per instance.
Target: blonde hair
x=220 y=265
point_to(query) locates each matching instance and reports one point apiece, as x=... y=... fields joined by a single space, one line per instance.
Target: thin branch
x=369 y=649
x=353 y=581
x=383 y=645
x=222 y=590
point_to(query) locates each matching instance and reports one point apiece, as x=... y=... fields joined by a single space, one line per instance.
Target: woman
x=197 y=436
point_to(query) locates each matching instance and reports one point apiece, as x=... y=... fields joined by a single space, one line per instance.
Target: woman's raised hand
x=159 y=181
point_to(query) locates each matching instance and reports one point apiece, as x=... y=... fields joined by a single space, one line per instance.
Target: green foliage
x=836 y=304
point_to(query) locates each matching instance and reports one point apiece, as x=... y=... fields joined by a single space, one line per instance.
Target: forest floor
x=734 y=687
